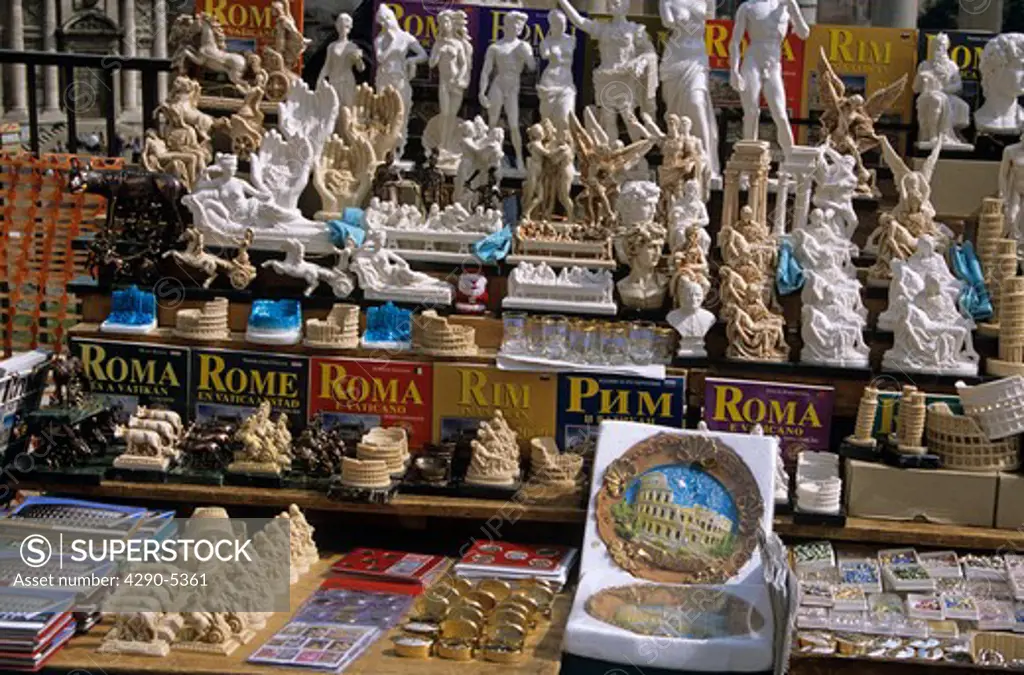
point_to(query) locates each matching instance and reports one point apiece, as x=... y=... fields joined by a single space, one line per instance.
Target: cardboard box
x=1010 y=504
x=937 y=496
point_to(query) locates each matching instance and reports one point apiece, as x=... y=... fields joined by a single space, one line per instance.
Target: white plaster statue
x=835 y=184
x=556 y=90
x=781 y=490
x=642 y=240
x=685 y=70
x=906 y=284
x=343 y=56
x=846 y=290
x=818 y=246
x=758 y=69
x=627 y=76
x=509 y=56
x=288 y=39
x=295 y=265
x=575 y=289
x=480 y=160
x=398 y=53
x=1002 y=81
x=224 y=205
x=383 y=275
x=690 y=319
x=832 y=336
x=686 y=212
x=932 y=336
x=1011 y=188
x=683 y=157
x=940 y=110
x=452 y=56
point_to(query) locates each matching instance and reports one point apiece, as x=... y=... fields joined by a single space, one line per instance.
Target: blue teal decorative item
x=789 y=275
x=974 y=300
x=349 y=227
x=494 y=247
x=388 y=326
x=275 y=322
x=131 y=311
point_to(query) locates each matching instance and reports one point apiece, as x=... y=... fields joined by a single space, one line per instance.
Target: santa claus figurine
x=471 y=295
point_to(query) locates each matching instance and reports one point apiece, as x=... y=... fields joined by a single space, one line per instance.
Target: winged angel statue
x=370 y=130
x=849 y=120
x=602 y=165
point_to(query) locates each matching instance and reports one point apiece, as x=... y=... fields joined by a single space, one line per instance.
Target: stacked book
x=381 y=569
x=504 y=560
x=34 y=624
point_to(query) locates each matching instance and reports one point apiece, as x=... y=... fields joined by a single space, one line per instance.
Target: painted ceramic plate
x=679 y=509
x=697 y=613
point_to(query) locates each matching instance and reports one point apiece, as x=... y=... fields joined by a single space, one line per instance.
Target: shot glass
x=556 y=337
x=584 y=343
x=514 y=338
x=641 y=342
x=535 y=336
x=664 y=345
x=615 y=344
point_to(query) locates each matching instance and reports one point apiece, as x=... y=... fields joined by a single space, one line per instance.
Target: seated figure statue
x=384 y=275
x=818 y=246
x=832 y=335
x=932 y=336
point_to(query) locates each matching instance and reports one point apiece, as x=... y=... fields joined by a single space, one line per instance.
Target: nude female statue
x=557 y=88
x=395 y=66
x=685 y=69
x=452 y=55
x=343 y=56
x=760 y=66
x=509 y=55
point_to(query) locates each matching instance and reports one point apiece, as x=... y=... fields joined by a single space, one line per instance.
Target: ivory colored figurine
x=849 y=119
x=365 y=474
x=343 y=57
x=383 y=275
x=867 y=411
x=932 y=336
x=687 y=213
x=152 y=438
x=1002 y=81
x=495 y=460
x=509 y=56
x=303 y=552
x=626 y=77
x=691 y=262
x=835 y=184
x=549 y=173
x=240 y=270
x=208 y=323
x=754 y=332
x=452 y=57
x=369 y=131
x=642 y=240
x=910 y=426
x=398 y=54
x=690 y=319
x=1011 y=188
x=757 y=70
x=340 y=330
x=940 y=110
x=266 y=444
x=557 y=87
x=684 y=157
x=553 y=470
x=435 y=335
x=296 y=266
x=141 y=633
x=685 y=71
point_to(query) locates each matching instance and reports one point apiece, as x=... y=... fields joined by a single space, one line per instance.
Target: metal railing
x=108 y=66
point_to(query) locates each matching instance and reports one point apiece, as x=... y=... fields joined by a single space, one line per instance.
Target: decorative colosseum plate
x=679 y=509
x=688 y=612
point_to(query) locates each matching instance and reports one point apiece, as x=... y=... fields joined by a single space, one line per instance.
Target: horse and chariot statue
x=199 y=41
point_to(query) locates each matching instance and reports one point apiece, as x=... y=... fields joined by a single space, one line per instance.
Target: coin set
x=460 y=620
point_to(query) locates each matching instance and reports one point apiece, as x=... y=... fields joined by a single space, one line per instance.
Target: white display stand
x=590 y=637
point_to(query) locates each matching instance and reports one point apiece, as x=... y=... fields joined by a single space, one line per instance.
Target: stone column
x=51 y=77
x=160 y=43
x=981 y=15
x=129 y=78
x=897 y=13
x=16 y=41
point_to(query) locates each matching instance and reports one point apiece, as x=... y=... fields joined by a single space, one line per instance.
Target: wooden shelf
x=907 y=533
x=802 y=664
x=401 y=505
x=543 y=649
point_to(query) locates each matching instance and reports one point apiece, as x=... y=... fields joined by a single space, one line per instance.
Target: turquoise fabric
x=789 y=274
x=974 y=299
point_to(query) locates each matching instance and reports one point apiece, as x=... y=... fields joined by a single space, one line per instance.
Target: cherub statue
x=849 y=120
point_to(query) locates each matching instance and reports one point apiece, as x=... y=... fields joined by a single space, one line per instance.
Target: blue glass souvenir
x=275 y=322
x=974 y=300
x=789 y=275
x=494 y=247
x=388 y=326
x=131 y=311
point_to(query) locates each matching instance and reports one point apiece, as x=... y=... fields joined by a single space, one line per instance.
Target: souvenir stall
x=536 y=339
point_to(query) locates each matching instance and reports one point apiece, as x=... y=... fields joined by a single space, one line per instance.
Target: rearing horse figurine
x=209 y=52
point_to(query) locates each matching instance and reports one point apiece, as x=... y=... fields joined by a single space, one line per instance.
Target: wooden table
x=543 y=649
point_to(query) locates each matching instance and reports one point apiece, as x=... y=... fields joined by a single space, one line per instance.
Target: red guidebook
x=395 y=566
